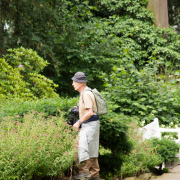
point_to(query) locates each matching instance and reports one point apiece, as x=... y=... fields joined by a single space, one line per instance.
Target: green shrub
x=36 y=148
x=168 y=149
x=110 y=165
x=14 y=107
x=20 y=78
x=116 y=139
x=25 y=59
x=113 y=137
x=11 y=82
x=165 y=170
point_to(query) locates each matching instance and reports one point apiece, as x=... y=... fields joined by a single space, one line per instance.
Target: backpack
x=100 y=101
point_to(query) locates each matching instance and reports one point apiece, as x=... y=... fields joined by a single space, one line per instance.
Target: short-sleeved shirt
x=89 y=102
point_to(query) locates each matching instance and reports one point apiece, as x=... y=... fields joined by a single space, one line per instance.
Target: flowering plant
x=35 y=148
x=142 y=158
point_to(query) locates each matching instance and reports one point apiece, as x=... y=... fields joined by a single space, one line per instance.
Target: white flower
x=142 y=123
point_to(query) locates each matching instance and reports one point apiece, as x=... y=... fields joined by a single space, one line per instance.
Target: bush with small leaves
x=20 y=78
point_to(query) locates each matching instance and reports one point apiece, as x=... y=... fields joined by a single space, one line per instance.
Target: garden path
x=173 y=175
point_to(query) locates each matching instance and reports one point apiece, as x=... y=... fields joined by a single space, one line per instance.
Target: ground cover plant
x=36 y=147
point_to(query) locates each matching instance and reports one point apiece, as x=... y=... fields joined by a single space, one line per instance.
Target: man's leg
x=93 y=166
x=83 y=167
x=83 y=171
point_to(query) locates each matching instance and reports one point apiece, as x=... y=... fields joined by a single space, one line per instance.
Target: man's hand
x=76 y=126
x=75 y=107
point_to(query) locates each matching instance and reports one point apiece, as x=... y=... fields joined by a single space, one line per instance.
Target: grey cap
x=79 y=77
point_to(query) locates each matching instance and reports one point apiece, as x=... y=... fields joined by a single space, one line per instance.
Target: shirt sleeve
x=88 y=101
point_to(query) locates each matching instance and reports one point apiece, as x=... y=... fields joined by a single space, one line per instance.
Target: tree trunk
x=160 y=10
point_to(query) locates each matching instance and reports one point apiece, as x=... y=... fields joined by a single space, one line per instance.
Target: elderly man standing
x=88 y=146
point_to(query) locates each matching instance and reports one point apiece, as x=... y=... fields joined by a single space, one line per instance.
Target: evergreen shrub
x=168 y=149
x=114 y=139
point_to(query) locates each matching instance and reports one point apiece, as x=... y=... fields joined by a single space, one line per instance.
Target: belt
x=92 y=118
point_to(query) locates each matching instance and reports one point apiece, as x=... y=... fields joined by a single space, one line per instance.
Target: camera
x=74 y=112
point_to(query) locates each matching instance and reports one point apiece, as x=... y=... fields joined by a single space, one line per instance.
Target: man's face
x=77 y=86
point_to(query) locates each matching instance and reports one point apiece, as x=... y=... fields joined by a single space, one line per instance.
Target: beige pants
x=90 y=165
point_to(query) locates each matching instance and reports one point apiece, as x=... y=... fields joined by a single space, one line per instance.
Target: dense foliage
x=27 y=23
x=49 y=107
x=89 y=36
x=143 y=95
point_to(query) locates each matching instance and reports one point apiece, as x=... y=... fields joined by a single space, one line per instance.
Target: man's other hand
x=76 y=126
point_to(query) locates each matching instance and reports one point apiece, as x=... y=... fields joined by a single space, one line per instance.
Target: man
x=88 y=146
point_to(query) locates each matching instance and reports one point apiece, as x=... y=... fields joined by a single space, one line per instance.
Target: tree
x=89 y=36
x=27 y=23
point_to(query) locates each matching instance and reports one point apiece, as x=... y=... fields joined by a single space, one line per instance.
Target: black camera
x=74 y=112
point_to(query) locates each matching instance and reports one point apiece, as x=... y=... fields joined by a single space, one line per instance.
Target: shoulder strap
x=87 y=89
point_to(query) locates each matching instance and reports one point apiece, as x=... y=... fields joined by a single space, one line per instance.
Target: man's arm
x=84 y=118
